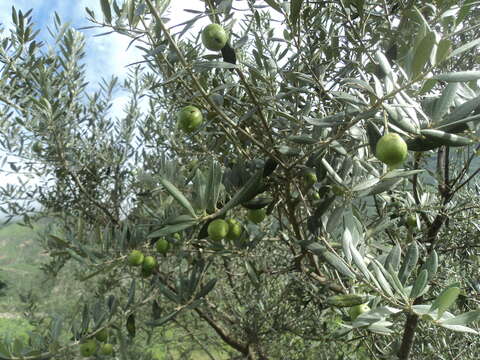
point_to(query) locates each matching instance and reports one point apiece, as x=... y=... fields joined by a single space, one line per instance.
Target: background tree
x=293 y=108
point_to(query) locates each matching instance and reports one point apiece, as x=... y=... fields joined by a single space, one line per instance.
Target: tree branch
x=408 y=337
x=431 y=237
x=224 y=334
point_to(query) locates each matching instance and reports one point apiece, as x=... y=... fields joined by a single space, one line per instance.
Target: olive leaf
x=445 y=300
x=182 y=200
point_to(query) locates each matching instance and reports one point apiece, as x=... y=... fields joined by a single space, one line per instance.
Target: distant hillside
x=20 y=260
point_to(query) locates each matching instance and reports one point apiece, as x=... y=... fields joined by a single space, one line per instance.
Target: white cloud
x=4 y=15
x=118 y=106
x=108 y=55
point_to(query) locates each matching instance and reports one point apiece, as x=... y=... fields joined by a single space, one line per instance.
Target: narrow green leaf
x=384 y=185
x=335 y=218
x=376 y=316
x=295 y=7
x=130 y=325
x=324 y=206
x=445 y=300
x=378 y=86
x=106 y=10
x=329 y=120
x=358 y=260
x=246 y=193
x=373 y=135
x=383 y=62
x=206 y=288
x=288 y=150
x=102 y=270
x=199 y=188
x=338 y=264
x=443 y=104
x=14 y=16
x=422 y=54
x=397 y=285
x=381 y=279
x=85 y=319
x=116 y=8
x=195 y=276
x=464 y=11
x=331 y=171
x=112 y=304
x=207 y=65
x=433 y=53
x=409 y=262
x=214 y=181
x=163 y=320
x=98 y=313
x=273 y=4
x=431 y=265
x=422 y=310
x=463 y=48
x=178 y=219
x=302 y=139
x=420 y=284
x=367 y=184
x=459 y=328
x=169 y=293
x=443 y=50
x=463 y=110
x=408 y=108
x=398 y=173
x=170 y=229
x=316 y=248
x=259 y=202
x=445 y=138
x=459 y=76
x=156 y=310
x=360 y=7
x=393 y=258
x=423 y=21
x=60 y=242
x=420 y=143
x=452 y=125
x=427 y=86
x=394 y=283
x=347 y=300
x=399 y=120
x=252 y=273
x=347 y=98
x=358 y=83
x=182 y=200
x=463 y=319
x=131 y=293
x=346 y=244
x=381 y=327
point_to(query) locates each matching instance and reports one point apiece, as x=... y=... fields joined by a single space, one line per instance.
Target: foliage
x=300 y=87
x=14 y=329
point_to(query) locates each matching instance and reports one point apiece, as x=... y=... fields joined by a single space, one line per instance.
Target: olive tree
x=339 y=251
